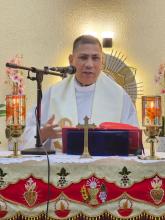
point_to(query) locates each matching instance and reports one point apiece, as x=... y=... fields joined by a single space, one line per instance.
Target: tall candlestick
x=151 y=119
x=15 y=119
x=151 y=111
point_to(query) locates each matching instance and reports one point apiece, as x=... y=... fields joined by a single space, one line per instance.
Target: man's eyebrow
x=87 y=54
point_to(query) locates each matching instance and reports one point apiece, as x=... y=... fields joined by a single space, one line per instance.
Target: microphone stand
x=39 y=148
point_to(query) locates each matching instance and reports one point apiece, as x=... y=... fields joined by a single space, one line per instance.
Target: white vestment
x=109 y=103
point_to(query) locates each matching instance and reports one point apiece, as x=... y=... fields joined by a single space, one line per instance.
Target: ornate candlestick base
x=152 y=132
x=15 y=119
x=16 y=152
x=14 y=132
x=85 y=153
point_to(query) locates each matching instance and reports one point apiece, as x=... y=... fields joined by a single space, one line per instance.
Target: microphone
x=63 y=70
x=67 y=69
x=12 y=65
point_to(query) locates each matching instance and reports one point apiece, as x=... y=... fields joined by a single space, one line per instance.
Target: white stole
x=107 y=103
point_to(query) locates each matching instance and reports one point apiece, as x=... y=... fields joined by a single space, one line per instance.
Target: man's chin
x=87 y=80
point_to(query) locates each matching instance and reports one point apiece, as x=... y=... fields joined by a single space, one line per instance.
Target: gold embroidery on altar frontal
x=30 y=195
x=157 y=192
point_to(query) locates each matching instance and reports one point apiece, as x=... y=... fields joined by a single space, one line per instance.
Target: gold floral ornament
x=15 y=76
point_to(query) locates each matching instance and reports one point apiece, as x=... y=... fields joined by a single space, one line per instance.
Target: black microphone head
x=65 y=70
x=12 y=65
x=71 y=69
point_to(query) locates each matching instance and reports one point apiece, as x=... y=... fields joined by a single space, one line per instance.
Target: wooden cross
x=86 y=126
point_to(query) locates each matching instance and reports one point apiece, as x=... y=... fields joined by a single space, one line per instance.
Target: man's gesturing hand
x=50 y=130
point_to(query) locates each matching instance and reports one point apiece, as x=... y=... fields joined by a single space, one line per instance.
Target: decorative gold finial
x=86 y=126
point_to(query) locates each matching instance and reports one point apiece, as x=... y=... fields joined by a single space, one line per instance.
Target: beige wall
x=43 y=31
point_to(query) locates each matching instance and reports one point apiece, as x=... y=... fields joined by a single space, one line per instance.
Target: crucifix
x=86 y=126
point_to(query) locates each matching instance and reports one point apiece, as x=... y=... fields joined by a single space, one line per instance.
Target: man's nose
x=89 y=63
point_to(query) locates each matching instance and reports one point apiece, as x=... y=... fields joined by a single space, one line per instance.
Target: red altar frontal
x=97 y=188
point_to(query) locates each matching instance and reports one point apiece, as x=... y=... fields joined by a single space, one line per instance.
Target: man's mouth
x=87 y=72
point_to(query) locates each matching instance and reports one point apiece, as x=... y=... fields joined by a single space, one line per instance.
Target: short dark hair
x=86 y=39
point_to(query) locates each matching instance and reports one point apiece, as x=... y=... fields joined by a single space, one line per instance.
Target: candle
x=15 y=110
x=151 y=111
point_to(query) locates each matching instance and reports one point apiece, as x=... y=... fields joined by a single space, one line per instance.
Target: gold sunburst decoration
x=115 y=67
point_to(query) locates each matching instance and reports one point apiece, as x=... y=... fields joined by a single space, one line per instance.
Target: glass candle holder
x=15 y=118
x=152 y=120
x=15 y=111
x=151 y=111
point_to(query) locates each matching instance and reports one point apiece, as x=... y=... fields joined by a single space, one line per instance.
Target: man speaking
x=88 y=92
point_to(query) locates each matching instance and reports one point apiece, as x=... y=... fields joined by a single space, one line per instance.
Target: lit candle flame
x=152 y=105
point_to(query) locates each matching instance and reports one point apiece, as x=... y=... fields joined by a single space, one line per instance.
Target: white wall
x=43 y=31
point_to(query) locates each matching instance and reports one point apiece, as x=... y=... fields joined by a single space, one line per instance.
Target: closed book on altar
x=103 y=141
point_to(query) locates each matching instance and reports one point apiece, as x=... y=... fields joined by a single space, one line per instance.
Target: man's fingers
x=51 y=119
x=56 y=131
x=56 y=126
x=58 y=134
x=51 y=130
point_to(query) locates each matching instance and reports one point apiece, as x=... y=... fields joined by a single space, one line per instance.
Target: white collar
x=80 y=88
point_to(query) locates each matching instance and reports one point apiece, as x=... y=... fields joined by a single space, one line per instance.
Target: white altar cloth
x=64 y=158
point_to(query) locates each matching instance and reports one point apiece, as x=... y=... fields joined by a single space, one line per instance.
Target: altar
x=68 y=187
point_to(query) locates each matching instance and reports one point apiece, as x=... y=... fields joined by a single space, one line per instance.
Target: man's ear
x=70 y=59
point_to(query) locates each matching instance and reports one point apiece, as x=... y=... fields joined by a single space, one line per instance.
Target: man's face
x=87 y=58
